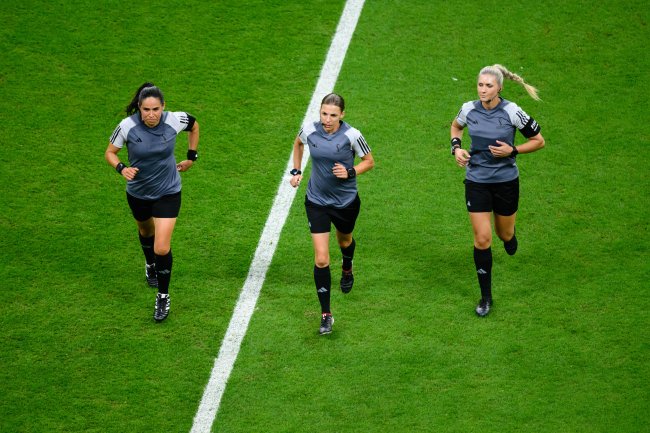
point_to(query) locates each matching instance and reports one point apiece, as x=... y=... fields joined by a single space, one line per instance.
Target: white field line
x=245 y=306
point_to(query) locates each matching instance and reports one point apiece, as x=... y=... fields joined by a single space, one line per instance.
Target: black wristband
x=514 y=152
x=119 y=167
x=455 y=144
x=352 y=173
x=192 y=155
x=295 y=172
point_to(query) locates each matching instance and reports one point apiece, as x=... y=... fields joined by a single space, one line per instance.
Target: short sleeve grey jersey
x=485 y=128
x=151 y=150
x=324 y=188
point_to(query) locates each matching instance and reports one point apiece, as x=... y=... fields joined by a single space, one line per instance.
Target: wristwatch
x=351 y=173
x=455 y=144
x=295 y=172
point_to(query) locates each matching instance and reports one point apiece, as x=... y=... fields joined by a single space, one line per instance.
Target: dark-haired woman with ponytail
x=153 y=185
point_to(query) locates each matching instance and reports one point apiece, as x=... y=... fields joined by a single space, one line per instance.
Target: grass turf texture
x=565 y=348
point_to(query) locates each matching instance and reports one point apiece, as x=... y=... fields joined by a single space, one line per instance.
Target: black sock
x=323 y=280
x=511 y=245
x=348 y=255
x=147 y=249
x=164 y=272
x=483 y=262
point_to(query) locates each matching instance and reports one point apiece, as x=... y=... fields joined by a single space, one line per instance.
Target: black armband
x=531 y=128
x=191 y=120
x=455 y=144
x=192 y=155
x=119 y=167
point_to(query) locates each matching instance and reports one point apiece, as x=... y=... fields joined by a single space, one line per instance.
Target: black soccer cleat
x=326 y=323
x=161 y=310
x=511 y=245
x=150 y=275
x=483 y=307
x=347 y=281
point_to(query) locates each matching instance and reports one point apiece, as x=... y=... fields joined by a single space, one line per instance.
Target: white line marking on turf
x=243 y=311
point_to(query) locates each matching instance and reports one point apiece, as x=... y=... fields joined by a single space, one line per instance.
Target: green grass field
x=566 y=347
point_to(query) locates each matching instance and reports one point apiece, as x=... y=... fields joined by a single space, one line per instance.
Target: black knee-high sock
x=323 y=280
x=483 y=262
x=164 y=271
x=348 y=255
x=147 y=249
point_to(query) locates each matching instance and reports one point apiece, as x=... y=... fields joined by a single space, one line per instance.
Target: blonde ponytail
x=501 y=72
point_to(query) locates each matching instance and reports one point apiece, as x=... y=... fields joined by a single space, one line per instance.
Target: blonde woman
x=492 y=176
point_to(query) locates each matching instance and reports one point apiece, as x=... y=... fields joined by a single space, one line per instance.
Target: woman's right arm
x=298 y=149
x=461 y=155
x=112 y=158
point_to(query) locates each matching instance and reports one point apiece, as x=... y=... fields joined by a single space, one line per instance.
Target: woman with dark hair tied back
x=491 y=173
x=153 y=185
x=332 y=196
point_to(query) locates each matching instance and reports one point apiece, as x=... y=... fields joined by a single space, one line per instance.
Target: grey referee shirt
x=151 y=150
x=485 y=128
x=324 y=188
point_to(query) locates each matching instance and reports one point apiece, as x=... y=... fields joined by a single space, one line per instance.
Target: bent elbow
x=538 y=141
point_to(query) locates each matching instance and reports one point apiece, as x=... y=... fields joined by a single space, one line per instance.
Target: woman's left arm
x=504 y=150
x=366 y=164
x=534 y=143
x=193 y=144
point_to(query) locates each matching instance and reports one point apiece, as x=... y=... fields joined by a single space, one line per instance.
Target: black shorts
x=321 y=218
x=167 y=206
x=502 y=197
